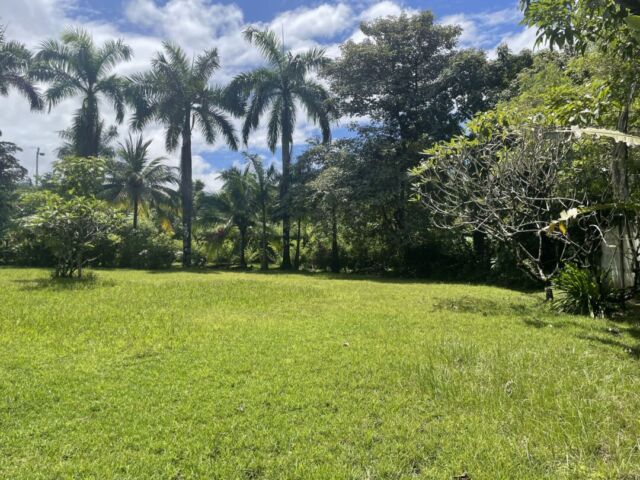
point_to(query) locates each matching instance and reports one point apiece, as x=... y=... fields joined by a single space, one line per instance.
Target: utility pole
x=38 y=155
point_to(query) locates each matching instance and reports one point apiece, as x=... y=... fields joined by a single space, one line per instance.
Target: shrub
x=145 y=247
x=71 y=229
x=583 y=291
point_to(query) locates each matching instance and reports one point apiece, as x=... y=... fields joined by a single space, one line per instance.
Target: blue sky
x=200 y=24
x=256 y=10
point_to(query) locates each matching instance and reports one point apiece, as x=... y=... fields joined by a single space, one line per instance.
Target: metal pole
x=37 y=162
x=38 y=155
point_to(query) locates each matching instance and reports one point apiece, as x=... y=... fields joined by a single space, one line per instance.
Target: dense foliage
x=458 y=165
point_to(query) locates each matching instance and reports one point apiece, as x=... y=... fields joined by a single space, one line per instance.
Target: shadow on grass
x=632 y=351
x=62 y=284
x=388 y=278
x=610 y=334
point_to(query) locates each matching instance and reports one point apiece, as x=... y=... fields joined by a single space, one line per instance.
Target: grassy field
x=246 y=376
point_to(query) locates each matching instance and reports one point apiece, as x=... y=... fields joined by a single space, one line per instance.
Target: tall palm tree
x=274 y=90
x=135 y=179
x=76 y=66
x=264 y=192
x=15 y=62
x=176 y=93
x=234 y=205
x=106 y=138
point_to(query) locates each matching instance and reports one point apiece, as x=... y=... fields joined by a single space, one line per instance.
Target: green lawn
x=230 y=375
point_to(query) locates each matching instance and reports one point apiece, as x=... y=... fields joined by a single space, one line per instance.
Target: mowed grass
x=246 y=376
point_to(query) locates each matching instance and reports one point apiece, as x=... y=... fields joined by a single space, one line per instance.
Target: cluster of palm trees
x=176 y=93
x=246 y=200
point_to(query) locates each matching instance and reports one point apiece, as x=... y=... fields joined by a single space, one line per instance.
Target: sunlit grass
x=241 y=375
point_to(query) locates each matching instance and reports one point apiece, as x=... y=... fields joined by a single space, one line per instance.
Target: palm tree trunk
x=135 y=211
x=335 y=257
x=243 y=246
x=186 y=187
x=264 y=264
x=90 y=145
x=284 y=201
x=296 y=261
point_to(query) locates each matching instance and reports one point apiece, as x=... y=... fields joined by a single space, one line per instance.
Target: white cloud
x=191 y=23
x=486 y=30
x=520 y=40
x=385 y=8
x=197 y=25
x=323 y=22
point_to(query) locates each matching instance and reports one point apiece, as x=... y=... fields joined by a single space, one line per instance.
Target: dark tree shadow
x=633 y=352
x=62 y=284
x=611 y=334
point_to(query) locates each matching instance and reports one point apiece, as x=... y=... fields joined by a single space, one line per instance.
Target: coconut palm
x=234 y=205
x=76 y=66
x=15 y=61
x=273 y=90
x=265 y=185
x=177 y=94
x=137 y=180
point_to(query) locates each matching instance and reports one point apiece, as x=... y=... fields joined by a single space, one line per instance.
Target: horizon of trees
x=416 y=190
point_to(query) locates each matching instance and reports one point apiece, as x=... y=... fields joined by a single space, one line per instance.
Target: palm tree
x=105 y=142
x=234 y=205
x=177 y=94
x=275 y=89
x=265 y=185
x=15 y=62
x=135 y=179
x=76 y=66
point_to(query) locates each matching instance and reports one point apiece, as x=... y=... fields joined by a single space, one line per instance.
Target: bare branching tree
x=512 y=189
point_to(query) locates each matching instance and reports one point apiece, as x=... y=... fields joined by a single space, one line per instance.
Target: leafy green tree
x=410 y=78
x=235 y=205
x=76 y=66
x=11 y=174
x=265 y=186
x=273 y=90
x=72 y=228
x=329 y=188
x=395 y=76
x=77 y=177
x=135 y=179
x=177 y=94
x=15 y=71
x=608 y=26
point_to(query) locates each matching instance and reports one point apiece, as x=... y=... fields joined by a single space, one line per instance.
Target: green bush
x=583 y=291
x=145 y=247
x=71 y=230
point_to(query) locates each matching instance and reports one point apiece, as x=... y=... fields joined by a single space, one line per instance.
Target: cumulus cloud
x=197 y=25
x=488 y=29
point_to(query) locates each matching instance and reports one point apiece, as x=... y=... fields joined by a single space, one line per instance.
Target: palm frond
x=268 y=44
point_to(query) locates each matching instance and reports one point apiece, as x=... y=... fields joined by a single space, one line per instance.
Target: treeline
x=460 y=165
x=409 y=77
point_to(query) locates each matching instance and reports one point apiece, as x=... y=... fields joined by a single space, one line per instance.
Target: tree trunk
x=243 y=246
x=186 y=187
x=619 y=167
x=284 y=202
x=335 y=256
x=264 y=262
x=296 y=261
x=79 y=264
x=135 y=211
x=620 y=177
x=479 y=243
x=89 y=146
